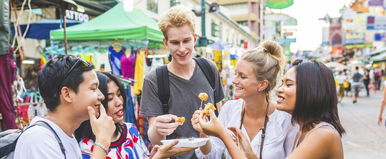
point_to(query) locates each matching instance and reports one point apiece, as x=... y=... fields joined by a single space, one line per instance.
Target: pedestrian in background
x=347 y=83
x=340 y=78
x=356 y=84
x=366 y=81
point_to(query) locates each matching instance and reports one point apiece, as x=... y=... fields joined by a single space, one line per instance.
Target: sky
x=307 y=13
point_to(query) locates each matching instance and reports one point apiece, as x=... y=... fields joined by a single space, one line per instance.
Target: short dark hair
x=316 y=99
x=84 y=130
x=57 y=73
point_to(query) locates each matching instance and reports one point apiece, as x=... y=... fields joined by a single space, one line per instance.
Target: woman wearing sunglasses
x=126 y=140
x=307 y=92
x=268 y=130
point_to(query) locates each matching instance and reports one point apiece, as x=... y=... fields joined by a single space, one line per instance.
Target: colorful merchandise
x=139 y=72
x=115 y=60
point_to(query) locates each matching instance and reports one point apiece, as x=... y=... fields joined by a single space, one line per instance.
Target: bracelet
x=103 y=147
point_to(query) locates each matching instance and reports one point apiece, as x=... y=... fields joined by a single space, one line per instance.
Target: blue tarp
x=41 y=30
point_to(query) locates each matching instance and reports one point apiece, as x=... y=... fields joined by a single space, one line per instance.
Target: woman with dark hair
x=127 y=142
x=307 y=92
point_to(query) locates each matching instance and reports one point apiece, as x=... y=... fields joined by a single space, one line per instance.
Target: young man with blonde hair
x=185 y=78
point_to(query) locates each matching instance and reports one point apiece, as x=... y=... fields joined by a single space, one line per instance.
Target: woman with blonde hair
x=308 y=92
x=269 y=131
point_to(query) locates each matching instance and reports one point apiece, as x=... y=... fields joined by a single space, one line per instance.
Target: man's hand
x=166 y=124
x=102 y=127
x=169 y=150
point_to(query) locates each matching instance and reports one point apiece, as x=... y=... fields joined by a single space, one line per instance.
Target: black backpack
x=163 y=81
x=9 y=139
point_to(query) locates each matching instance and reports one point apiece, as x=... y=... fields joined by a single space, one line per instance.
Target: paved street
x=364 y=139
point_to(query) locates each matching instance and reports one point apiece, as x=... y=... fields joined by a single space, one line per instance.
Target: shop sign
x=380 y=37
x=348 y=16
x=354 y=38
x=72 y=15
x=375 y=3
x=376 y=23
x=286 y=41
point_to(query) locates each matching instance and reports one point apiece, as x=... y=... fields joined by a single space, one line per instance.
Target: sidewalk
x=363 y=138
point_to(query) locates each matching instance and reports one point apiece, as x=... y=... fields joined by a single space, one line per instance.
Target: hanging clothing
x=139 y=72
x=102 y=62
x=128 y=65
x=87 y=57
x=115 y=60
x=7 y=74
x=129 y=112
x=43 y=61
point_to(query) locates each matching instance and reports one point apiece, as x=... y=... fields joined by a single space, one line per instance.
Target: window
x=152 y=5
x=243 y=23
x=174 y=2
x=214 y=29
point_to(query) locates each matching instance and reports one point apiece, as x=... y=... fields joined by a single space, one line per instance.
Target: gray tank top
x=324 y=124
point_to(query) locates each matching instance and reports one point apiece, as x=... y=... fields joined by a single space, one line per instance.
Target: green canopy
x=114 y=24
x=379 y=58
x=279 y=4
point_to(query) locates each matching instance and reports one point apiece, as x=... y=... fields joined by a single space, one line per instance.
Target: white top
x=384 y=84
x=340 y=78
x=39 y=142
x=279 y=139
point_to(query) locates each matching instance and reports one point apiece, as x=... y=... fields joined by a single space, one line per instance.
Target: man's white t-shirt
x=39 y=142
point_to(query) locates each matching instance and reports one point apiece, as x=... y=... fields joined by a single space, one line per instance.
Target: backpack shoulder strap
x=163 y=87
x=209 y=74
x=207 y=70
x=48 y=126
x=11 y=147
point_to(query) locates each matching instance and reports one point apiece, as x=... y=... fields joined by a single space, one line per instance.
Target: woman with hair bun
x=307 y=92
x=269 y=131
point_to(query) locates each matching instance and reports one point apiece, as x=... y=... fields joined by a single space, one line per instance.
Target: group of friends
x=86 y=107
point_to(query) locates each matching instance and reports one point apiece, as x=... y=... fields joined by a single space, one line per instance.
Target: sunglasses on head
x=79 y=63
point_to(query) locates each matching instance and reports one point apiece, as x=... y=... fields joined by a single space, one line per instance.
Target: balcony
x=230 y=2
x=245 y=17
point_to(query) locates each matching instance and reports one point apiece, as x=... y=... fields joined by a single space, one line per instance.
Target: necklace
x=262 y=129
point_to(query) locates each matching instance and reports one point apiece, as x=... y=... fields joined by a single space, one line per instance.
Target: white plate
x=190 y=142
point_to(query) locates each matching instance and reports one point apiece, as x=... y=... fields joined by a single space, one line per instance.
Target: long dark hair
x=316 y=99
x=84 y=130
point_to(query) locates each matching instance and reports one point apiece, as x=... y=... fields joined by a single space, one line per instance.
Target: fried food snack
x=181 y=120
x=209 y=106
x=203 y=96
